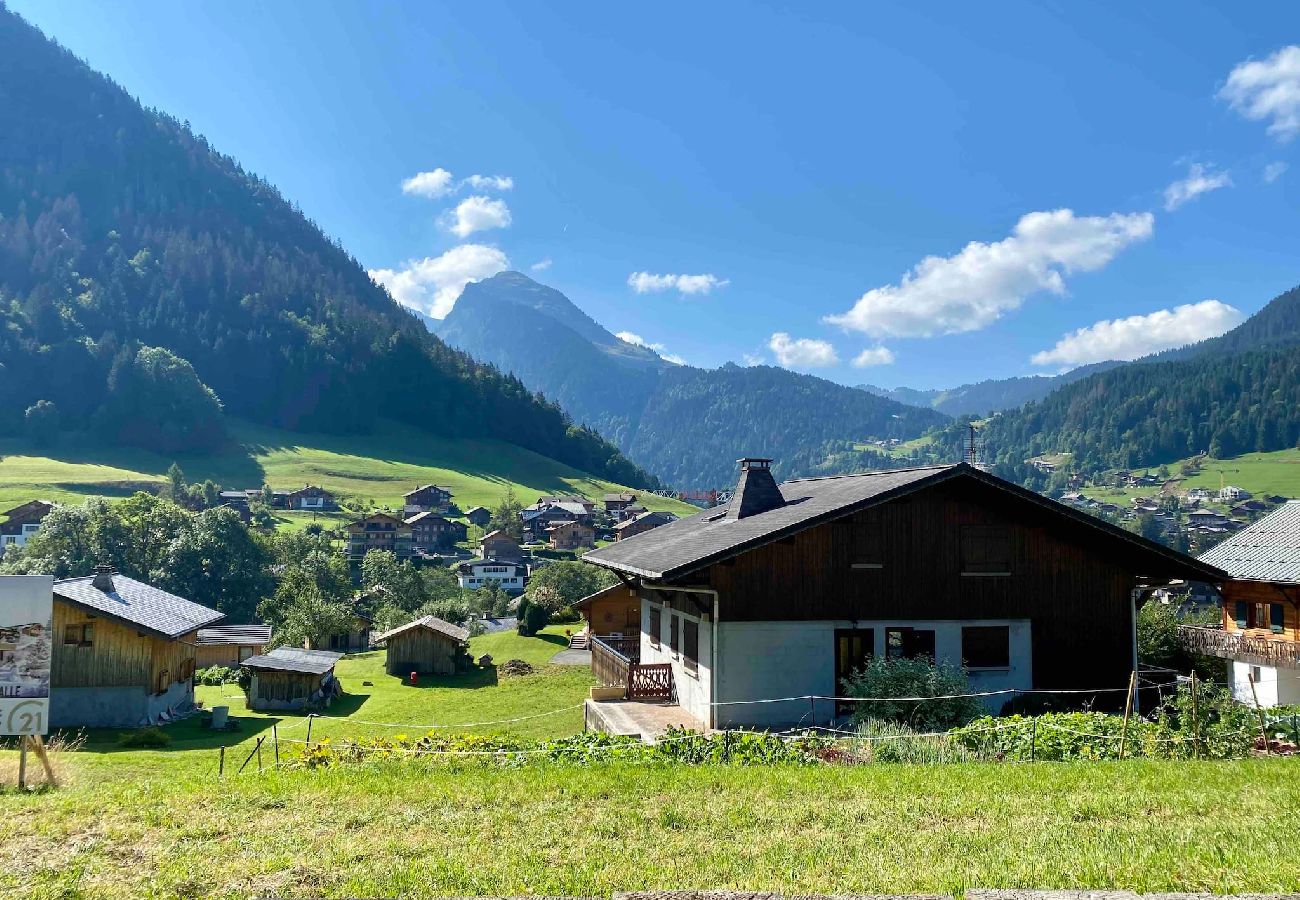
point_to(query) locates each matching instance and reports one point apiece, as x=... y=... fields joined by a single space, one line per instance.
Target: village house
x=124 y=652
x=230 y=645
x=1206 y=518
x=1260 y=632
x=430 y=531
x=1232 y=494
x=22 y=522
x=641 y=523
x=589 y=506
x=428 y=646
x=499 y=545
x=616 y=503
x=379 y=531
x=614 y=612
x=510 y=575
x=479 y=516
x=571 y=536
x=1199 y=493
x=310 y=498
x=427 y=498
x=792 y=587
x=292 y=678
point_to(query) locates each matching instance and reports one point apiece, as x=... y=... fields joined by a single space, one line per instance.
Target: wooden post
x=1263 y=729
x=1128 y=712
x=275 y=738
x=22 y=762
x=1196 y=719
x=259 y=756
x=38 y=747
x=250 y=755
x=309 y=718
x=221 y=761
x=812 y=709
x=1033 y=737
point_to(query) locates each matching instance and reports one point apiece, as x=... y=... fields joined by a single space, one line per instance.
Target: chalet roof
x=603 y=594
x=1268 y=550
x=234 y=634
x=294 y=659
x=686 y=545
x=426 y=516
x=467 y=566
x=474 y=509
x=426 y=487
x=624 y=497
x=646 y=517
x=31 y=506
x=360 y=524
x=138 y=604
x=433 y=623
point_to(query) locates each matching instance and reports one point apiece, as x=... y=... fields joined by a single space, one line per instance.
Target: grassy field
x=1259 y=473
x=376 y=468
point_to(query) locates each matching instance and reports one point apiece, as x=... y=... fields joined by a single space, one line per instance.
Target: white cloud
x=753 y=359
x=490 y=182
x=541 y=265
x=804 y=353
x=1200 y=180
x=983 y=282
x=477 y=213
x=1269 y=89
x=1137 y=336
x=428 y=184
x=433 y=284
x=646 y=283
x=630 y=337
x=1274 y=170
x=874 y=356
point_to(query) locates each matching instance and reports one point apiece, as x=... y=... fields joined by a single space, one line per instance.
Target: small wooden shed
x=292 y=678
x=230 y=645
x=429 y=646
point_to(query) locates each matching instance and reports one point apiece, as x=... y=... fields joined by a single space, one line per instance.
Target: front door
x=854 y=648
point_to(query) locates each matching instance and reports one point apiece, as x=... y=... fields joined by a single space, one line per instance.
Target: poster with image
x=26 y=651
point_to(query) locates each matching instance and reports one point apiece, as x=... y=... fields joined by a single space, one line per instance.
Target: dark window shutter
x=1243 y=613
x=1276 y=618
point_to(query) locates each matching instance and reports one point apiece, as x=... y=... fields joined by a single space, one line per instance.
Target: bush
x=216 y=675
x=533 y=617
x=920 y=677
x=151 y=738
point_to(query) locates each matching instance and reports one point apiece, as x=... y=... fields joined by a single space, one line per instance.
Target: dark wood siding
x=422 y=650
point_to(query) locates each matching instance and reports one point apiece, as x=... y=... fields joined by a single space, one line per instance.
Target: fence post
x=221 y=761
x=1263 y=730
x=22 y=762
x=1128 y=711
x=259 y=756
x=1033 y=738
x=275 y=738
x=812 y=710
x=250 y=754
x=1196 y=720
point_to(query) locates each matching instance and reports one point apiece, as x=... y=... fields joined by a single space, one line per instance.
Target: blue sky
x=802 y=165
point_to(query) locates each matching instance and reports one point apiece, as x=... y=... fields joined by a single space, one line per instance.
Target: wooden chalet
x=499 y=545
x=292 y=678
x=428 y=646
x=431 y=532
x=124 y=652
x=479 y=516
x=427 y=498
x=614 y=612
x=571 y=536
x=616 y=503
x=379 y=531
x=791 y=587
x=641 y=523
x=310 y=498
x=22 y=522
x=230 y=645
x=1260 y=633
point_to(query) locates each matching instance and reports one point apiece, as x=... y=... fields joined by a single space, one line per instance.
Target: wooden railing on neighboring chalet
x=615 y=661
x=1211 y=640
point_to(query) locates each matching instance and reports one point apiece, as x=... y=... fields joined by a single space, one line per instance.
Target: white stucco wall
x=769 y=660
x=692 y=687
x=1274 y=687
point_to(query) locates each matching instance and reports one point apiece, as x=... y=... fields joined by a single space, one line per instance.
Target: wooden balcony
x=615 y=661
x=1210 y=640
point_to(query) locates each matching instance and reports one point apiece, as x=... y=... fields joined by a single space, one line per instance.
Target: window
x=79 y=635
x=245 y=653
x=1255 y=674
x=164 y=679
x=985 y=550
x=187 y=670
x=854 y=648
x=865 y=547
x=1242 y=614
x=675 y=634
x=986 y=646
x=691 y=645
x=1261 y=615
x=909 y=643
x=656 y=627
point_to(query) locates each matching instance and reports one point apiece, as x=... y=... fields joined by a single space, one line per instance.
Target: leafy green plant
x=887 y=678
x=889 y=742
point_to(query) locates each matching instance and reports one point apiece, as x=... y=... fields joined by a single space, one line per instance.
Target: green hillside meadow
x=379 y=467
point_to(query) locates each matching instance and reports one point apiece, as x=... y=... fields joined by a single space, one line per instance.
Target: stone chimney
x=103 y=579
x=756 y=492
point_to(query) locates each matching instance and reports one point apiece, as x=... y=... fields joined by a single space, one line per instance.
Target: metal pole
x=221 y=761
x=1128 y=711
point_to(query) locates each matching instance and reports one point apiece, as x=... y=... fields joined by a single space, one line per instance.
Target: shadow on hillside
x=232 y=466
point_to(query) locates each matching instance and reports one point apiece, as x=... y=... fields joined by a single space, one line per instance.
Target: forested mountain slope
x=990 y=395
x=684 y=424
x=121 y=230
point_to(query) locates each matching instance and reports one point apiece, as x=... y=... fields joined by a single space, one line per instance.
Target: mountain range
x=988 y=396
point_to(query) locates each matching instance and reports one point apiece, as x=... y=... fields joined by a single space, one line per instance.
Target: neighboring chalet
x=310 y=499
x=430 y=531
x=499 y=545
x=1260 y=634
x=612 y=612
x=790 y=588
x=571 y=536
x=588 y=506
x=428 y=646
x=379 y=531
x=291 y=678
x=510 y=574
x=124 y=652
x=616 y=503
x=479 y=516
x=22 y=522
x=230 y=645
x=641 y=523
x=540 y=517
x=427 y=498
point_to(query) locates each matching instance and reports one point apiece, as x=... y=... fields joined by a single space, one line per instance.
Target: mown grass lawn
x=396 y=828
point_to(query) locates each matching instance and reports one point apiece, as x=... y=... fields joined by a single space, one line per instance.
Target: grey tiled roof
x=1268 y=550
x=294 y=659
x=235 y=634
x=686 y=545
x=433 y=623
x=138 y=604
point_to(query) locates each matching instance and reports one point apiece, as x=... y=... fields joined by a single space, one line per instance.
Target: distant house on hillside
x=311 y=498
x=428 y=645
x=509 y=574
x=1232 y=494
x=792 y=587
x=291 y=678
x=641 y=523
x=499 y=545
x=124 y=652
x=430 y=531
x=571 y=536
x=616 y=503
x=379 y=531
x=230 y=645
x=479 y=516
x=1206 y=518
x=588 y=506
x=427 y=498
x=22 y=522
x=1199 y=493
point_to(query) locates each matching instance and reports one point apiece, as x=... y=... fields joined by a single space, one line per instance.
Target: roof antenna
x=973 y=446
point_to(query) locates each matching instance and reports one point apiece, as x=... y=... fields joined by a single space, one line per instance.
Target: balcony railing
x=615 y=661
x=1248 y=648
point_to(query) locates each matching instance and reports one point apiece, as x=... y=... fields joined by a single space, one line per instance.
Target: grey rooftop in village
x=1267 y=550
x=433 y=623
x=294 y=659
x=112 y=594
x=234 y=634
